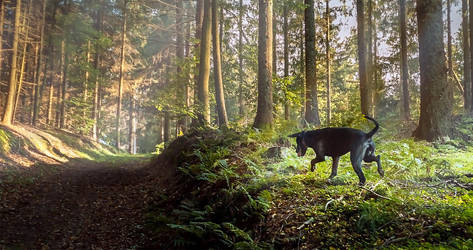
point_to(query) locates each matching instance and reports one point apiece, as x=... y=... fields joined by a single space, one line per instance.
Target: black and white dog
x=336 y=142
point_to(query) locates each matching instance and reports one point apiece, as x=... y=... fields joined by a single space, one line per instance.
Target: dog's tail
x=375 y=129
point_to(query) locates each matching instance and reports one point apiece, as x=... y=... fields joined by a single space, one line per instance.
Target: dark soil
x=87 y=205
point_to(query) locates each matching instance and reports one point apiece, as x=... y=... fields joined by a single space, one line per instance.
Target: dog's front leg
x=315 y=161
x=335 y=161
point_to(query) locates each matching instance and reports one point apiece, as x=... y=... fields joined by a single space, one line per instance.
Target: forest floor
x=217 y=189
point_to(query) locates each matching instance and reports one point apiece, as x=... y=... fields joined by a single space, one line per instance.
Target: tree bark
x=40 y=74
x=122 y=75
x=182 y=94
x=2 y=23
x=26 y=29
x=327 y=59
x=436 y=95
x=132 y=125
x=49 y=117
x=312 y=106
x=362 y=59
x=62 y=123
x=241 y=99
x=405 y=110
x=286 y=56
x=8 y=114
x=264 y=111
x=467 y=96
x=302 y=72
x=204 y=67
x=98 y=66
x=219 y=93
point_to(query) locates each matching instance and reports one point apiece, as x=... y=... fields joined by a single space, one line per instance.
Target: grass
x=424 y=201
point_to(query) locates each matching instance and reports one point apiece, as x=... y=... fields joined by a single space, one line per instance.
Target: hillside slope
x=26 y=146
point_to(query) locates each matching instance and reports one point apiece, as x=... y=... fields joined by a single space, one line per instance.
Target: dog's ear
x=294 y=135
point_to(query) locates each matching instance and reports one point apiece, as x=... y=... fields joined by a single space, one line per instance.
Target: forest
x=236 y=124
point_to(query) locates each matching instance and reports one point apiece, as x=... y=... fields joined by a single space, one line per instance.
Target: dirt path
x=87 y=205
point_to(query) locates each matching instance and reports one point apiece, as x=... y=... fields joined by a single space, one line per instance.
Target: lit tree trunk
x=188 y=89
x=35 y=77
x=132 y=125
x=466 y=58
x=275 y=45
x=199 y=18
x=182 y=94
x=302 y=69
x=2 y=22
x=49 y=117
x=405 y=110
x=449 y=38
x=98 y=66
x=86 y=80
x=436 y=95
x=204 y=67
x=241 y=99
x=470 y=6
x=219 y=93
x=8 y=114
x=286 y=56
x=120 y=83
x=327 y=59
x=264 y=111
x=312 y=106
x=59 y=86
x=40 y=74
x=362 y=59
x=62 y=122
x=26 y=29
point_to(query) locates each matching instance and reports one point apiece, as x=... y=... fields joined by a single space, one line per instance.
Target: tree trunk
x=241 y=99
x=122 y=76
x=219 y=93
x=64 y=86
x=275 y=46
x=362 y=59
x=40 y=74
x=59 y=86
x=8 y=115
x=49 y=117
x=302 y=69
x=167 y=126
x=264 y=111
x=98 y=66
x=199 y=19
x=132 y=125
x=286 y=56
x=369 y=62
x=405 y=110
x=436 y=95
x=2 y=23
x=204 y=67
x=86 y=80
x=467 y=96
x=182 y=94
x=312 y=106
x=26 y=30
x=327 y=54
x=449 y=38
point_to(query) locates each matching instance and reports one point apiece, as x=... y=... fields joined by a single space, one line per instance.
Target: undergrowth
x=232 y=194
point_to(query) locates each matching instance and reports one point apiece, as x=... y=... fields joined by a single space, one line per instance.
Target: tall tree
x=405 y=109
x=366 y=99
x=467 y=96
x=39 y=66
x=312 y=106
x=436 y=95
x=2 y=22
x=181 y=121
x=122 y=73
x=264 y=111
x=204 y=67
x=8 y=114
x=98 y=66
x=132 y=121
x=241 y=99
x=219 y=93
x=327 y=59
x=286 y=55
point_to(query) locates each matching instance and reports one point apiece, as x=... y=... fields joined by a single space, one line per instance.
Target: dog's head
x=301 y=146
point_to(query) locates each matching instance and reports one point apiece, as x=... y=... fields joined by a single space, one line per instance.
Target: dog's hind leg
x=356 y=156
x=370 y=157
x=335 y=161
